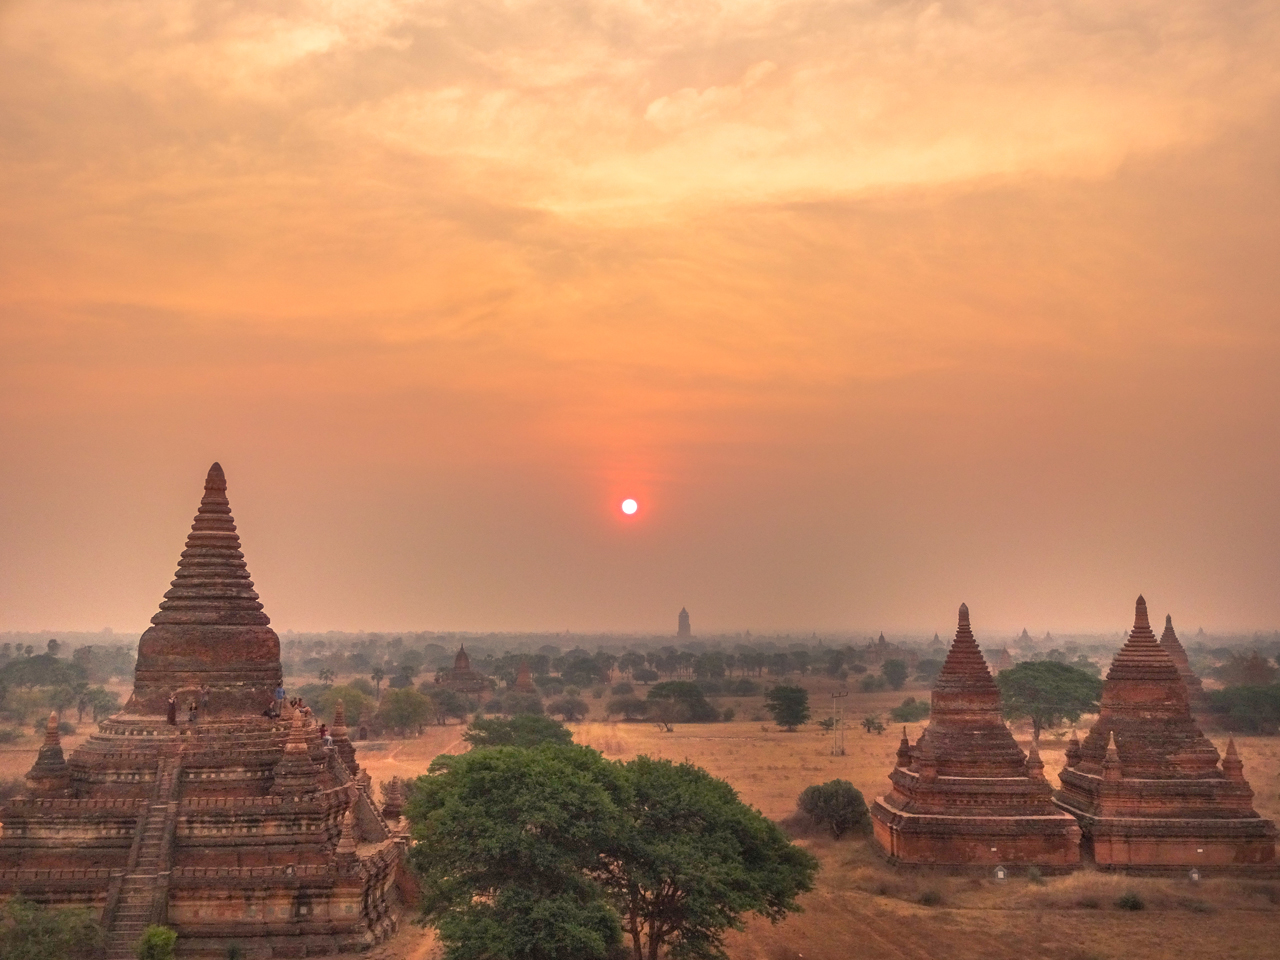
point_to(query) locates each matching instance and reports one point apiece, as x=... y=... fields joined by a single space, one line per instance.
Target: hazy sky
x=874 y=307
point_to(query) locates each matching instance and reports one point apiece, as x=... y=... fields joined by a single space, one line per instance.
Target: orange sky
x=875 y=307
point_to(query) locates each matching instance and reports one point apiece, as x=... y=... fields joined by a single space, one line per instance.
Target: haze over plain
x=874 y=308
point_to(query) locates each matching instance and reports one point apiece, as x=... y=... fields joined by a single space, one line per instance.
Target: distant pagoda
x=524 y=679
x=682 y=624
x=236 y=829
x=1146 y=784
x=463 y=679
x=1196 y=697
x=966 y=793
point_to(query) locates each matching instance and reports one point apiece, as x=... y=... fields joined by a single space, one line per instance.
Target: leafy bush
x=931 y=898
x=644 y=675
x=29 y=931
x=10 y=735
x=872 y=683
x=1130 y=901
x=622 y=689
x=836 y=804
x=157 y=943
x=910 y=711
x=745 y=688
x=728 y=715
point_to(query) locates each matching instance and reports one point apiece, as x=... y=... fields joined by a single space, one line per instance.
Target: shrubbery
x=837 y=805
x=910 y=710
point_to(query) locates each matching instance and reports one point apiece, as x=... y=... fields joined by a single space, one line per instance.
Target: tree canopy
x=691 y=704
x=42 y=670
x=1047 y=692
x=29 y=931
x=1248 y=709
x=788 y=705
x=552 y=852
x=522 y=730
x=837 y=805
x=895 y=673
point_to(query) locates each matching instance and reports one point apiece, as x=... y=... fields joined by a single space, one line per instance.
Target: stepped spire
x=1232 y=765
x=1035 y=766
x=212 y=584
x=966 y=725
x=1142 y=657
x=1169 y=644
x=211 y=631
x=50 y=776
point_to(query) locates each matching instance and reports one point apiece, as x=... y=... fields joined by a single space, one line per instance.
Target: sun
x=629 y=506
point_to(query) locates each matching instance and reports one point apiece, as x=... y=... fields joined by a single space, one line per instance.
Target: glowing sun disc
x=629 y=506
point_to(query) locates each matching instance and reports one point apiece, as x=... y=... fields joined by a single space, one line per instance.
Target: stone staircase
x=144 y=891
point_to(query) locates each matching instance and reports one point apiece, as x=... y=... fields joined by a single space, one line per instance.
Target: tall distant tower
x=682 y=630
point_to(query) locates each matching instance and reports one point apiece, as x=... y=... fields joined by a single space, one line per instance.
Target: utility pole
x=837 y=724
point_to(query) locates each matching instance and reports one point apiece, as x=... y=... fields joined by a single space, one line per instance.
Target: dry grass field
x=863 y=907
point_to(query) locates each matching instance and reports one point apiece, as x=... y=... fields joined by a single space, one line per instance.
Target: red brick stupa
x=1196 y=696
x=1146 y=784
x=524 y=679
x=966 y=793
x=236 y=828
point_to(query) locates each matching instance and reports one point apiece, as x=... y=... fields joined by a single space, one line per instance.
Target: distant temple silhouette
x=682 y=629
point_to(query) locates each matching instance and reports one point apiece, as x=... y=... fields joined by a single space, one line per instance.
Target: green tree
x=910 y=711
x=1253 y=670
x=894 y=672
x=404 y=710
x=569 y=709
x=789 y=706
x=554 y=852
x=1048 y=693
x=447 y=704
x=29 y=931
x=377 y=676
x=1248 y=709
x=508 y=842
x=41 y=671
x=693 y=859
x=522 y=730
x=157 y=943
x=872 y=724
x=691 y=704
x=631 y=708
x=326 y=676
x=836 y=804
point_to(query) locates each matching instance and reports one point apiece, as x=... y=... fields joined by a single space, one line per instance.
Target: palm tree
x=377 y=676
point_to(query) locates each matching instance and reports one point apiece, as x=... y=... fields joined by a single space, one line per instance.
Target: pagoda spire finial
x=1140 y=621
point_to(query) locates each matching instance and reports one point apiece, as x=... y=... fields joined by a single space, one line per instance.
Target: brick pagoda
x=966 y=793
x=1146 y=785
x=235 y=828
x=1196 y=696
x=463 y=679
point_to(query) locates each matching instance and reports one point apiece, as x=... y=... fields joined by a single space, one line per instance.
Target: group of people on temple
x=199 y=703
